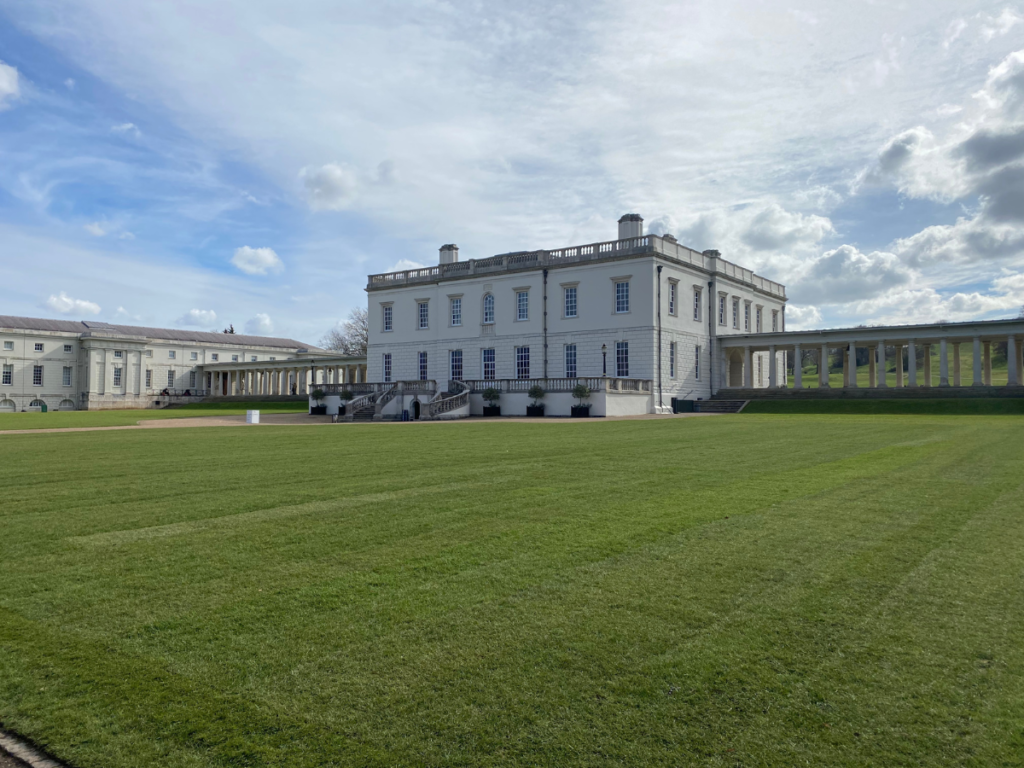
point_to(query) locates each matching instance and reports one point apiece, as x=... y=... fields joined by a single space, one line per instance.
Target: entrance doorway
x=415 y=409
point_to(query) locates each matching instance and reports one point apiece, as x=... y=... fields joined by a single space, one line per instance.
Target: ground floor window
x=456 y=364
x=170 y=378
x=488 y=365
x=8 y=375
x=423 y=366
x=37 y=375
x=149 y=379
x=622 y=359
x=117 y=377
x=570 y=361
x=387 y=366
x=760 y=371
x=192 y=379
x=696 y=362
x=67 y=376
x=672 y=359
x=522 y=362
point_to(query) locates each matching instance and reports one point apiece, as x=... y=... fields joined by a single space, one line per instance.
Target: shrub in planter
x=535 y=393
x=491 y=396
x=581 y=392
x=319 y=409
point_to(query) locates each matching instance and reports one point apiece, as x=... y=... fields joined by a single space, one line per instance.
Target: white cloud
x=774 y=229
x=101 y=229
x=999 y=25
x=9 y=88
x=66 y=305
x=845 y=274
x=331 y=187
x=96 y=229
x=403 y=264
x=953 y=31
x=260 y=325
x=256 y=261
x=70 y=84
x=126 y=128
x=799 y=318
x=199 y=317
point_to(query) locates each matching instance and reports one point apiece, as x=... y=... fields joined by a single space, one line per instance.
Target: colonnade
x=949 y=354
x=298 y=380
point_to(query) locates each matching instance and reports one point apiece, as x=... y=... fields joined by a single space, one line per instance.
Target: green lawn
x=61 y=419
x=979 y=406
x=835 y=378
x=745 y=590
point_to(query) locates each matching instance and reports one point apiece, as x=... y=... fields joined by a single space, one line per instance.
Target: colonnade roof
x=986 y=330
x=320 y=361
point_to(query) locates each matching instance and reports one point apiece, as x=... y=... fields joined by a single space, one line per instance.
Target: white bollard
x=252 y=417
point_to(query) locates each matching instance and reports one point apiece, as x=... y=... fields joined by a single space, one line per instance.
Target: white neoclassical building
x=634 y=318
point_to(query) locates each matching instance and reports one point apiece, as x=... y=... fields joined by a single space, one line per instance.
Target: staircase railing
x=448 y=401
x=383 y=399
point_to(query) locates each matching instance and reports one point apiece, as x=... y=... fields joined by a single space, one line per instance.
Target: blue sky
x=168 y=164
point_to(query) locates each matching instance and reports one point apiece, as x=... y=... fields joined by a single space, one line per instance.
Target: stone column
x=1020 y=365
x=943 y=364
x=823 y=367
x=1011 y=362
x=956 y=364
x=880 y=381
x=898 y=348
x=748 y=374
x=911 y=364
x=773 y=374
x=852 y=352
x=872 y=368
x=798 y=368
x=987 y=362
x=927 y=364
x=977 y=382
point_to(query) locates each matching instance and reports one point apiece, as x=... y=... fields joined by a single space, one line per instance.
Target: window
x=271 y=358
x=215 y=357
x=68 y=349
x=118 y=354
x=570 y=301
x=746 y=316
x=8 y=376
x=672 y=285
x=252 y=359
x=570 y=361
x=149 y=353
x=192 y=379
x=388 y=318
x=522 y=362
x=622 y=296
x=193 y=355
x=622 y=359
x=760 y=371
x=672 y=360
x=149 y=379
x=455 y=357
x=37 y=375
x=423 y=366
x=488 y=307
x=696 y=362
x=522 y=305
x=117 y=377
x=736 y=314
x=758 y=319
x=488 y=365
x=424 y=314
x=39 y=347
x=234 y=358
x=696 y=304
x=775 y=321
x=8 y=345
x=387 y=366
x=170 y=378
x=171 y=354
x=721 y=310
x=456 y=311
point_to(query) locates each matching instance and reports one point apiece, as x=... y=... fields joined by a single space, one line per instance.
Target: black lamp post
x=604 y=359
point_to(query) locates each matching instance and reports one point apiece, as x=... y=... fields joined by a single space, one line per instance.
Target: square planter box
x=318 y=410
x=535 y=411
x=492 y=410
x=580 y=411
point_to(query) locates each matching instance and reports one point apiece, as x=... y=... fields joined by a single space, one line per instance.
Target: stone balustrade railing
x=595 y=384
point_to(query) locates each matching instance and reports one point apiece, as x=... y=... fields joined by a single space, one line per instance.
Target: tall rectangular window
x=37 y=375
x=696 y=304
x=423 y=366
x=622 y=296
x=488 y=365
x=8 y=376
x=149 y=379
x=489 y=308
x=387 y=366
x=746 y=316
x=456 y=364
x=66 y=380
x=775 y=321
x=456 y=311
x=424 y=314
x=672 y=360
x=696 y=362
x=170 y=378
x=192 y=379
x=570 y=361
x=522 y=305
x=721 y=310
x=736 y=314
x=522 y=362
x=757 y=316
x=622 y=359
x=570 y=301
x=117 y=377
x=388 y=317
x=672 y=297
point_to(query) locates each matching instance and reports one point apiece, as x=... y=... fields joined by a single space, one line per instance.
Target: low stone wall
x=864 y=393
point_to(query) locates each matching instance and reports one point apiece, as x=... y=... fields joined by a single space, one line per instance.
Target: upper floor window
x=39 y=347
x=37 y=376
x=622 y=296
x=8 y=345
x=253 y=359
x=68 y=349
x=215 y=357
x=456 y=364
x=746 y=316
x=775 y=321
x=118 y=354
x=736 y=314
x=424 y=314
x=388 y=311
x=456 y=311
x=622 y=359
x=522 y=305
x=234 y=358
x=171 y=354
x=488 y=307
x=757 y=319
x=696 y=304
x=721 y=310
x=570 y=301
x=149 y=353
x=570 y=361
x=672 y=285
x=271 y=358
x=193 y=355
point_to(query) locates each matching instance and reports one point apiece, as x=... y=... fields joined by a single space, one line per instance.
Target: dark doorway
x=415 y=409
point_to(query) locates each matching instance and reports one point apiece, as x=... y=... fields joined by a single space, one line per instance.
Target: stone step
x=718 y=406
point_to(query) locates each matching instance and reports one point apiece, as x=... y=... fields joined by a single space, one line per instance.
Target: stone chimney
x=631 y=225
x=712 y=254
x=449 y=253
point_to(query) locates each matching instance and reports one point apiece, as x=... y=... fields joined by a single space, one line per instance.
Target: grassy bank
x=61 y=419
x=738 y=590
x=981 y=406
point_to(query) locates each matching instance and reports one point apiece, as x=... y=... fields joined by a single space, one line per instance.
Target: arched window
x=66 y=405
x=36 y=404
x=7 y=405
x=488 y=307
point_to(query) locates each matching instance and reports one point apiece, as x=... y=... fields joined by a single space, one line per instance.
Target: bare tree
x=350 y=337
x=230 y=329
x=1022 y=311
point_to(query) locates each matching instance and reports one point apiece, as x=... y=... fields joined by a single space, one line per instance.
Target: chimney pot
x=449 y=253
x=631 y=225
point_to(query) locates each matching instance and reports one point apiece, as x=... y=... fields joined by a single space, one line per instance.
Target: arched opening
x=735 y=369
x=7 y=405
x=66 y=405
x=415 y=409
x=36 y=404
x=488 y=308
